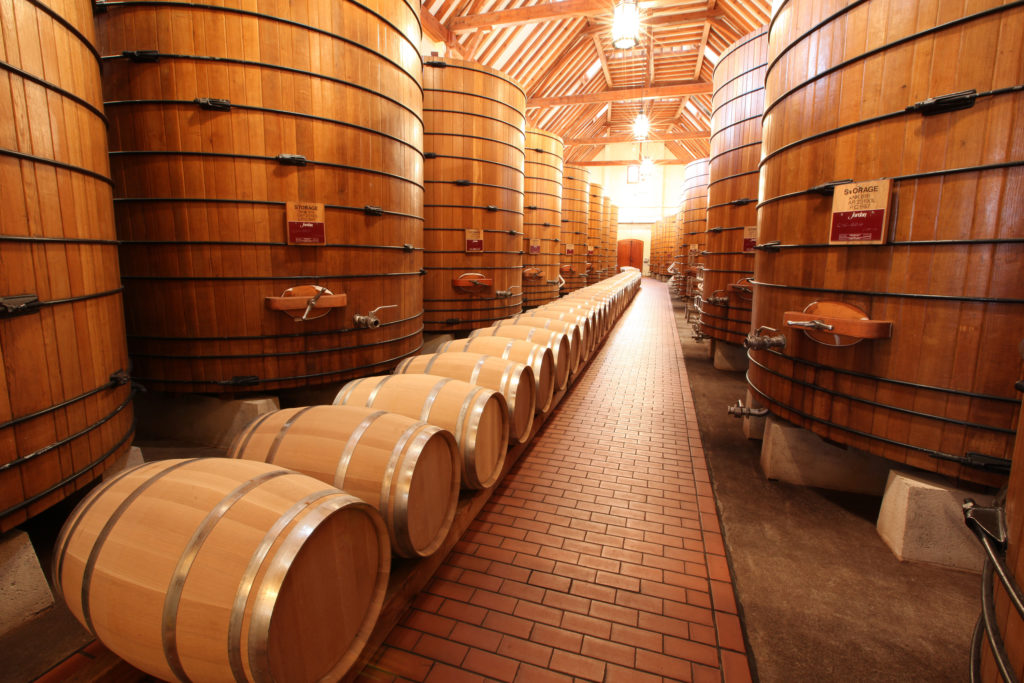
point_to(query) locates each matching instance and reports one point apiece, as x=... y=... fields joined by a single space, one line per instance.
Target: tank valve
x=697 y=334
x=505 y=293
x=740 y=410
x=759 y=342
x=370 y=320
x=717 y=300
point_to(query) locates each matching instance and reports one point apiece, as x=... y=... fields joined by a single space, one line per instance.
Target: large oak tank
x=474 y=126
x=542 y=216
x=575 y=220
x=221 y=116
x=922 y=328
x=65 y=409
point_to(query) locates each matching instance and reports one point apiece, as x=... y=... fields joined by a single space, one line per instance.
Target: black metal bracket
x=19 y=304
x=373 y=210
x=769 y=246
x=491 y=207
x=240 y=381
x=430 y=155
x=408 y=247
x=437 y=63
x=964 y=99
x=741 y=202
x=462 y=182
x=291 y=159
x=142 y=56
x=213 y=103
x=978 y=461
x=829 y=189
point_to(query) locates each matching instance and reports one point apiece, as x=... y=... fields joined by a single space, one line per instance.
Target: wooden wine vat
x=542 y=216
x=659 y=238
x=65 y=410
x=408 y=470
x=556 y=342
x=539 y=358
x=476 y=416
x=514 y=381
x=595 y=225
x=225 y=570
x=925 y=324
x=605 y=249
x=736 y=107
x=613 y=241
x=474 y=139
x=228 y=131
x=575 y=223
x=691 y=231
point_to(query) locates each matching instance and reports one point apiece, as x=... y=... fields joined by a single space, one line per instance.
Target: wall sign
x=306 y=224
x=590 y=250
x=570 y=249
x=749 y=238
x=534 y=247
x=860 y=212
x=474 y=240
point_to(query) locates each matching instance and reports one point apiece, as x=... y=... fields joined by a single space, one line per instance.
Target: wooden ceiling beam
x=700 y=49
x=625 y=137
x=630 y=162
x=436 y=31
x=604 y=60
x=624 y=95
x=551 y=11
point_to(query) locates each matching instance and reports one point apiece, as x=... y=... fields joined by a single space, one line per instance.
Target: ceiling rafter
x=627 y=137
x=624 y=94
x=558 y=10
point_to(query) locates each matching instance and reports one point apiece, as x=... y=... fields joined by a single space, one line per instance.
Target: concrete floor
x=822 y=597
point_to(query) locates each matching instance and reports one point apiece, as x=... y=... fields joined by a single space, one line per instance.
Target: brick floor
x=600 y=556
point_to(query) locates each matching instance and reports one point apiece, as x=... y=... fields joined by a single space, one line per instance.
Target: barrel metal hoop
x=398 y=515
x=736 y=46
x=477 y=368
x=428 y=403
x=172 y=597
x=67 y=94
x=463 y=93
x=350 y=446
x=430 y=363
x=493 y=74
x=244 y=591
x=67 y=25
x=376 y=390
x=272 y=453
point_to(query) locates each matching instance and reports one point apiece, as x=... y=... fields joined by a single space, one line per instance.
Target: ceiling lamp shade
x=626 y=25
x=641 y=126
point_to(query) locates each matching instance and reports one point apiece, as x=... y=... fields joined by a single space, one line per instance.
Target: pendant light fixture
x=641 y=126
x=626 y=25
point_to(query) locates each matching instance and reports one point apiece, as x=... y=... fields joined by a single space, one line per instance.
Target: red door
x=631 y=253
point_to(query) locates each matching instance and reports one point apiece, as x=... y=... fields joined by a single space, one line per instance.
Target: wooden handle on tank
x=295 y=303
x=472 y=280
x=844 y=327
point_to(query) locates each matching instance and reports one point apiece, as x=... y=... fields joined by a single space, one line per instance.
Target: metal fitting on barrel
x=505 y=293
x=759 y=341
x=718 y=299
x=740 y=410
x=370 y=320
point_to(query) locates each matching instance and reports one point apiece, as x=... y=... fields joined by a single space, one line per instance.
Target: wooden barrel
x=64 y=399
x=594 y=226
x=539 y=358
x=556 y=342
x=474 y=137
x=595 y=314
x=220 y=570
x=578 y=348
x=938 y=302
x=736 y=107
x=253 y=176
x=514 y=380
x=408 y=470
x=476 y=416
x=692 y=226
x=575 y=221
x=542 y=216
x=587 y=325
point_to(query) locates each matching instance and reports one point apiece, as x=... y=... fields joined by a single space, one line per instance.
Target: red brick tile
x=578 y=666
x=614 y=613
x=730 y=633
x=703 y=634
x=735 y=667
x=618 y=581
x=698 y=598
x=621 y=674
x=525 y=651
x=586 y=625
x=403 y=638
x=637 y=637
x=523 y=591
x=506 y=623
x=663 y=665
x=642 y=572
x=520 y=547
x=664 y=625
x=639 y=601
x=442 y=673
x=550 y=581
x=493 y=601
x=599 y=563
x=574 y=571
x=447 y=589
x=556 y=637
x=532 y=674
x=593 y=591
x=402 y=663
x=538 y=613
x=491 y=665
x=533 y=562
x=705 y=674
x=469 y=562
x=478 y=580
x=429 y=623
x=691 y=650
x=477 y=637
x=428 y=602
x=461 y=611
x=441 y=649
x=559 y=555
x=608 y=651
x=566 y=602
x=723 y=596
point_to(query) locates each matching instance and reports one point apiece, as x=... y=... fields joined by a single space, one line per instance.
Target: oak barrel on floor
x=221 y=114
x=929 y=102
x=575 y=220
x=538 y=357
x=542 y=216
x=736 y=107
x=407 y=469
x=475 y=415
x=65 y=409
x=474 y=139
x=225 y=570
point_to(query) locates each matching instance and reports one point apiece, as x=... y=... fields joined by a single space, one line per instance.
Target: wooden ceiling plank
x=604 y=60
x=627 y=137
x=624 y=94
x=700 y=49
x=555 y=10
x=436 y=31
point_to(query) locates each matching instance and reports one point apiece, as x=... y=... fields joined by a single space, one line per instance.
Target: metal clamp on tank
x=740 y=410
x=758 y=341
x=718 y=299
x=698 y=334
x=473 y=280
x=505 y=293
x=370 y=320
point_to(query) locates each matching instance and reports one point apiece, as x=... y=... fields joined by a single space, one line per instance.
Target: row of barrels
x=223 y=216
x=272 y=564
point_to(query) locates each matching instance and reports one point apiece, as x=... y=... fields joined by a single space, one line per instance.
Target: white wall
x=645 y=202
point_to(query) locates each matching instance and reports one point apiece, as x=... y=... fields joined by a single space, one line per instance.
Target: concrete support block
x=921 y=520
x=798 y=456
x=24 y=592
x=753 y=427
x=431 y=342
x=131 y=458
x=197 y=419
x=730 y=357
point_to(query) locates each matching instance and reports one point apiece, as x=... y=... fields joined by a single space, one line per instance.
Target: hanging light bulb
x=641 y=126
x=626 y=25
x=646 y=168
